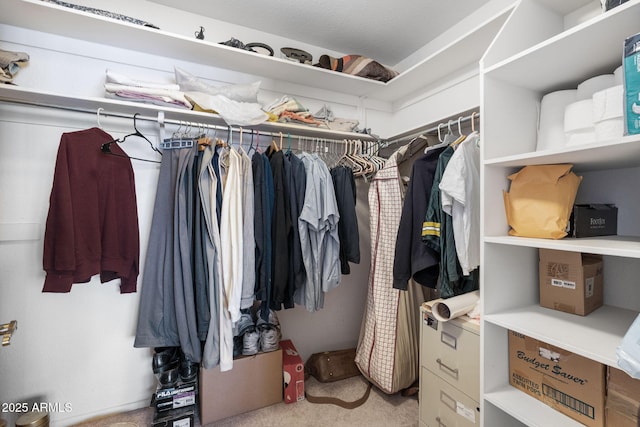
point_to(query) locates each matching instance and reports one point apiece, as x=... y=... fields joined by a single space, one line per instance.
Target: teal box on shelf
x=631 y=66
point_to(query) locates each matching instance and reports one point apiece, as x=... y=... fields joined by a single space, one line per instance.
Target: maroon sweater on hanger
x=92 y=224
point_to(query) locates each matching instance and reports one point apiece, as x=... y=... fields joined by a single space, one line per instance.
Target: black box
x=181 y=396
x=183 y=417
x=590 y=220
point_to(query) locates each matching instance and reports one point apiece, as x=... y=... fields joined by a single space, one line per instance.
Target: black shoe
x=168 y=378
x=165 y=359
x=188 y=370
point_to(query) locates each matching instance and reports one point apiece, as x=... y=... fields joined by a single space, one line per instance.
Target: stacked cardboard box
x=254 y=382
x=570 y=281
x=567 y=382
x=623 y=399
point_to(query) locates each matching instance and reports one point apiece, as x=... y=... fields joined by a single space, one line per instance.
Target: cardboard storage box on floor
x=567 y=382
x=623 y=399
x=293 y=371
x=570 y=281
x=254 y=382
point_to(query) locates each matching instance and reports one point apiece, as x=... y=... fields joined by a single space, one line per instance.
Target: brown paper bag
x=540 y=200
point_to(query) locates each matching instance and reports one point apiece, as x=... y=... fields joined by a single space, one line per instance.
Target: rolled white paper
x=608 y=104
x=453 y=307
x=578 y=116
x=551 y=130
x=610 y=129
x=618 y=76
x=581 y=137
x=587 y=88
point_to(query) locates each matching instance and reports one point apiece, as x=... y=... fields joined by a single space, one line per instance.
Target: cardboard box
x=293 y=371
x=254 y=382
x=570 y=281
x=567 y=382
x=591 y=220
x=623 y=399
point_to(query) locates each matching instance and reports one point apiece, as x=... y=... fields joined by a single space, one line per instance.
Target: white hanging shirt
x=231 y=242
x=460 y=193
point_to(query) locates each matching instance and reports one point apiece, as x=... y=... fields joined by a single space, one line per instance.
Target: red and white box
x=293 y=371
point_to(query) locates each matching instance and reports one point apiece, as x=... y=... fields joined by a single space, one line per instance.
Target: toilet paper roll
x=610 y=129
x=578 y=116
x=618 y=75
x=551 y=128
x=457 y=306
x=608 y=104
x=581 y=137
x=587 y=88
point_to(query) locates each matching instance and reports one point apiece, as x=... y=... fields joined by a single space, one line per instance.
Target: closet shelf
x=619 y=152
x=528 y=410
x=622 y=246
x=595 y=336
x=51 y=18
x=21 y=95
x=603 y=34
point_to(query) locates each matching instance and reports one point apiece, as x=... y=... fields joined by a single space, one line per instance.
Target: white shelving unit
x=51 y=18
x=541 y=49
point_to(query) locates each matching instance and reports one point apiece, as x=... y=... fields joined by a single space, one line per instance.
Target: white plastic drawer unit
x=447 y=406
x=451 y=350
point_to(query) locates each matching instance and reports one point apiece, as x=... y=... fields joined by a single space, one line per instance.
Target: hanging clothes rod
x=442 y=126
x=264 y=129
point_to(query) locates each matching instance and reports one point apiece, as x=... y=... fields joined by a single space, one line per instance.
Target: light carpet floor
x=381 y=410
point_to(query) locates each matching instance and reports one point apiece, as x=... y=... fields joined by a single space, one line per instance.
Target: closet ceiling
x=387 y=31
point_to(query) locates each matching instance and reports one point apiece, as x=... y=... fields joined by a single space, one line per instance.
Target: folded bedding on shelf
x=120 y=86
x=121 y=79
x=172 y=98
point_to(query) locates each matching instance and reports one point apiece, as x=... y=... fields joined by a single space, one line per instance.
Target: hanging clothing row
x=404 y=257
x=439 y=232
x=232 y=232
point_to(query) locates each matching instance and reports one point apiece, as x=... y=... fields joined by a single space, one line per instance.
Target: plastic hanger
x=461 y=137
x=106 y=147
x=250 y=144
x=98 y=117
x=442 y=142
x=257 y=142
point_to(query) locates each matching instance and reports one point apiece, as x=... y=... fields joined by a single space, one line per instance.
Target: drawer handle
x=442 y=364
x=440 y=423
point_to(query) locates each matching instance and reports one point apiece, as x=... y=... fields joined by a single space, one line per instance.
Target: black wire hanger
x=106 y=147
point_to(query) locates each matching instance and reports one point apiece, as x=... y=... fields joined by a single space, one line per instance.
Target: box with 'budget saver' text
x=565 y=381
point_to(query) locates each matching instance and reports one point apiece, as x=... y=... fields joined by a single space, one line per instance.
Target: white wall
x=77 y=348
